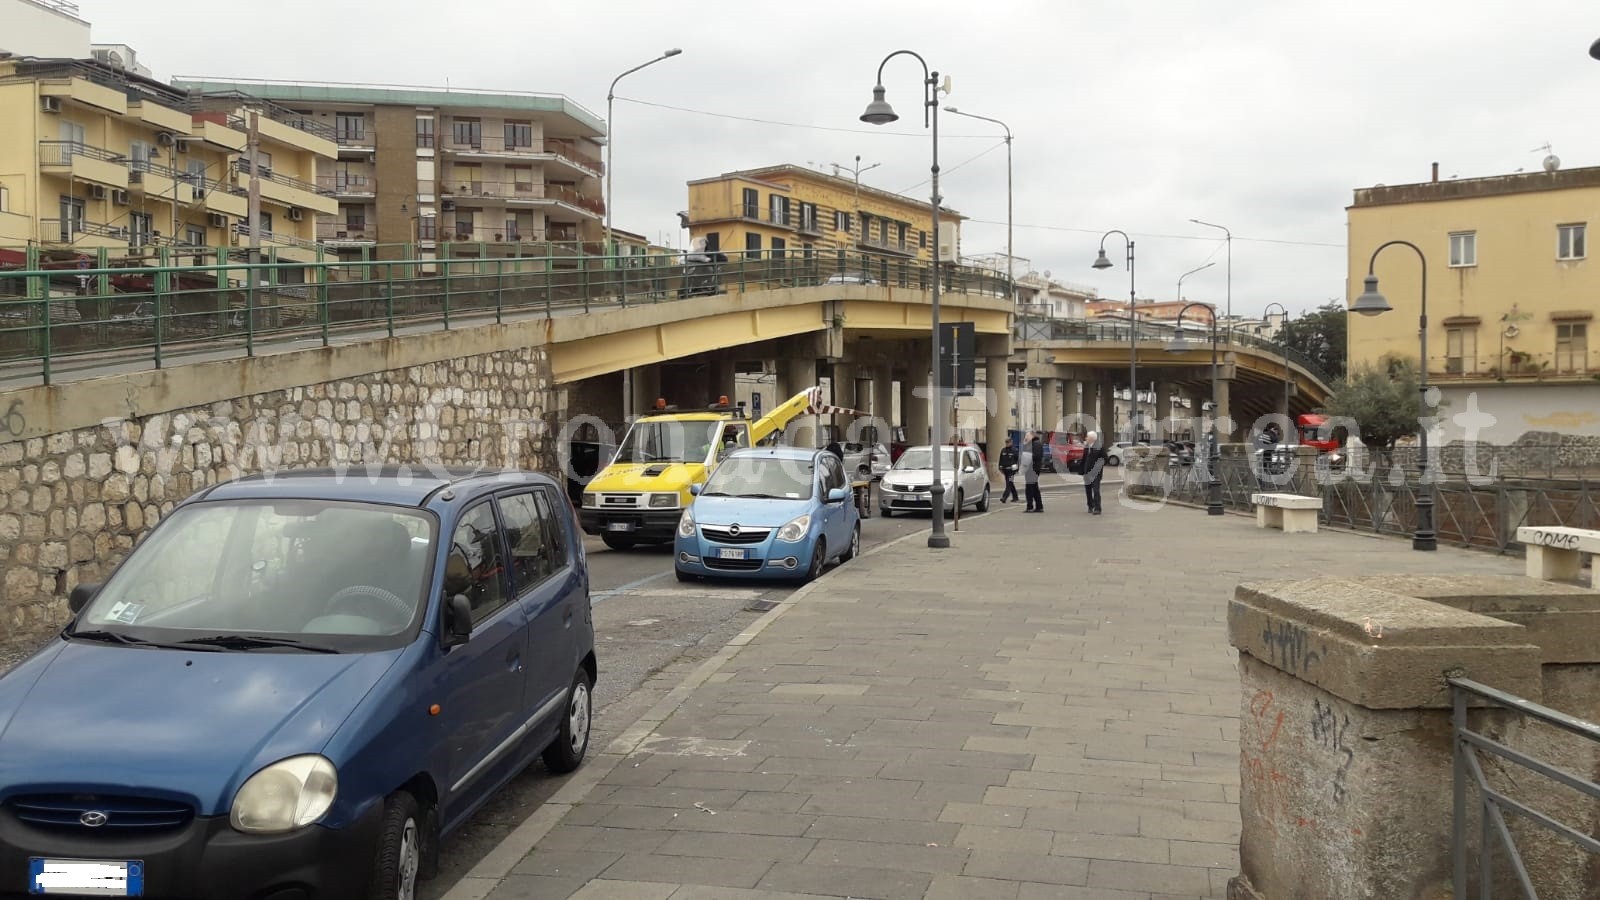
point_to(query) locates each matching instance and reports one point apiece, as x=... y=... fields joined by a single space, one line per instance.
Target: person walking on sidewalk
x=1008 y=469
x=1032 y=464
x=1094 y=466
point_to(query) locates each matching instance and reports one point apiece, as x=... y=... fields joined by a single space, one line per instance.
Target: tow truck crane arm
x=807 y=402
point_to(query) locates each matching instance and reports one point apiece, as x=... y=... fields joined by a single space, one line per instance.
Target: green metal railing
x=59 y=319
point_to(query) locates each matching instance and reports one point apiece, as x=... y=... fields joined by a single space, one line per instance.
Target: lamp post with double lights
x=1372 y=303
x=1179 y=345
x=1101 y=262
x=1266 y=316
x=879 y=112
x=611 y=95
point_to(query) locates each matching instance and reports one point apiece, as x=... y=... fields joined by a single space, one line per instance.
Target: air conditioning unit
x=296 y=214
x=181 y=146
x=217 y=220
x=97 y=191
x=50 y=104
x=136 y=176
x=949 y=244
x=119 y=197
x=165 y=138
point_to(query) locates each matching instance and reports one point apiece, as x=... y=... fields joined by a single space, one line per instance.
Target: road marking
x=638 y=583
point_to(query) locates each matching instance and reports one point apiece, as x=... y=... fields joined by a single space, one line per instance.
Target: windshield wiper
x=762 y=497
x=715 y=494
x=252 y=642
x=109 y=637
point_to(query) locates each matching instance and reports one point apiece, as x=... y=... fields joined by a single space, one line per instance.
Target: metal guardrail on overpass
x=58 y=319
x=1040 y=329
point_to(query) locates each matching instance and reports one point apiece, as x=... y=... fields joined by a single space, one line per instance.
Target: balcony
x=81 y=234
x=347 y=232
x=82 y=162
x=495 y=146
x=356 y=143
x=158 y=182
x=888 y=245
x=288 y=191
x=283 y=244
x=523 y=194
x=349 y=185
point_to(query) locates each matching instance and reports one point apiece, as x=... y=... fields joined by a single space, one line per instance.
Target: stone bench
x=1290 y=513
x=1555 y=553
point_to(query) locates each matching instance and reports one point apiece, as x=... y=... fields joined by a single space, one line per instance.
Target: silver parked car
x=865 y=462
x=961 y=470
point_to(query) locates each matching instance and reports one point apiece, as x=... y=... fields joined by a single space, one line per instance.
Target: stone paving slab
x=1048 y=709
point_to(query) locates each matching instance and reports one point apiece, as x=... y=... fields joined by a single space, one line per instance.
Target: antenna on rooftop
x=1552 y=162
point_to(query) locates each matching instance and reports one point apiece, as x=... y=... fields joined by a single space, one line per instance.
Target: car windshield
x=762 y=476
x=316 y=573
x=667 y=440
x=922 y=458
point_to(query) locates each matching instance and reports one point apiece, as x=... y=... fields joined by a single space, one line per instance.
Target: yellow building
x=791 y=211
x=94 y=158
x=1511 y=293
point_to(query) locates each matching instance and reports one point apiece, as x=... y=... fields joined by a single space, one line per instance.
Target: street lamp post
x=879 y=112
x=1594 y=49
x=1101 y=262
x=1178 y=345
x=1186 y=275
x=1372 y=303
x=611 y=94
x=1228 y=317
x=1284 y=343
x=1010 y=256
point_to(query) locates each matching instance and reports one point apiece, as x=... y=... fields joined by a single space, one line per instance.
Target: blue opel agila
x=295 y=685
x=769 y=512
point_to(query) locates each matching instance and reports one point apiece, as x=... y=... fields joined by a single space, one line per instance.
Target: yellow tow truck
x=639 y=497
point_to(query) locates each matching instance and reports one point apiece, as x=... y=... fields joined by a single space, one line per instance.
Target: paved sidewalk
x=1047 y=710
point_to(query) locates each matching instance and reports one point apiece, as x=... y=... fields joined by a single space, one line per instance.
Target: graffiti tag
x=13 y=422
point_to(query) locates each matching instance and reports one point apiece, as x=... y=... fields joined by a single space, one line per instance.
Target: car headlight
x=663 y=501
x=795 y=529
x=686 y=524
x=286 y=795
x=590 y=500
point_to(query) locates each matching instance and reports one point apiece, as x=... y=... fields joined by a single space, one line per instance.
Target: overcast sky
x=1261 y=115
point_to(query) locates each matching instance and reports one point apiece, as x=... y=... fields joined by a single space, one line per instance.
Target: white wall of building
x=1502 y=413
x=42 y=29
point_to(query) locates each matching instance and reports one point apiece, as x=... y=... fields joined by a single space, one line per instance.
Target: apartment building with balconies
x=449 y=172
x=95 y=158
x=1511 y=293
x=791 y=211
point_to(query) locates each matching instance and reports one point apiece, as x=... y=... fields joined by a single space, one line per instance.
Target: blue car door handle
x=514 y=661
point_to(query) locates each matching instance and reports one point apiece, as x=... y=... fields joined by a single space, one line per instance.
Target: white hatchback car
x=961 y=471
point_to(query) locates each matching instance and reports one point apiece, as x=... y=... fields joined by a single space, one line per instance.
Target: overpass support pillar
x=842 y=382
x=914 y=401
x=1051 y=389
x=794 y=376
x=883 y=400
x=997 y=417
x=719 y=379
x=1225 y=427
x=1164 y=409
x=1106 y=410
x=646 y=388
x=1071 y=402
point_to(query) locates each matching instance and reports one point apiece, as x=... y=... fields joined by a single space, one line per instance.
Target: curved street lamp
x=1102 y=262
x=611 y=94
x=1594 y=49
x=1284 y=343
x=1372 y=303
x=1179 y=297
x=1179 y=345
x=879 y=112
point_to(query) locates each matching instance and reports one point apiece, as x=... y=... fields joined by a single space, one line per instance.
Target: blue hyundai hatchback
x=769 y=512
x=295 y=685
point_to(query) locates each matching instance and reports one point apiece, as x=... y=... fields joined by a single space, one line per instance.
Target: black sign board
x=958 y=349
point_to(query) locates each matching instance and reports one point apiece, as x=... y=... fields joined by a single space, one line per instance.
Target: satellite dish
x=1512 y=331
x=1047 y=273
x=1552 y=163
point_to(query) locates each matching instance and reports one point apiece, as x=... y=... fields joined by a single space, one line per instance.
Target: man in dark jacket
x=1094 y=465
x=1032 y=465
x=1008 y=469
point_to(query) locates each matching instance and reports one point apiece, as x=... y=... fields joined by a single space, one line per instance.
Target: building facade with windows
x=455 y=173
x=95 y=157
x=1511 y=293
x=791 y=211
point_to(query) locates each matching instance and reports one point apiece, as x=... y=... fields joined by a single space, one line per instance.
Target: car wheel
x=399 y=856
x=983 y=501
x=855 y=545
x=819 y=557
x=566 y=752
x=618 y=541
x=1113 y=460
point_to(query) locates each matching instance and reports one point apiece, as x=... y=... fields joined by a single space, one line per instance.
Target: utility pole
x=252 y=149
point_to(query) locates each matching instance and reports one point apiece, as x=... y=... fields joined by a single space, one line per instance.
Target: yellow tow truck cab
x=639 y=497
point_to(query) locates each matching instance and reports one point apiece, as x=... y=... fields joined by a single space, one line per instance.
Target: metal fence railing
x=55 y=319
x=1494 y=803
x=1470 y=509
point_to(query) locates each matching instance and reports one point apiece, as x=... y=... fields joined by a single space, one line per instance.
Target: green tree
x=1381 y=400
x=1320 y=335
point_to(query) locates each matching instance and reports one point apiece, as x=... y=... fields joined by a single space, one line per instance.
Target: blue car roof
x=388 y=484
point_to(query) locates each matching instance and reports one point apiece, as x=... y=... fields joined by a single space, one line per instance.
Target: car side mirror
x=80 y=597
x=457 y=621
x=837 y=495
x=694 y=490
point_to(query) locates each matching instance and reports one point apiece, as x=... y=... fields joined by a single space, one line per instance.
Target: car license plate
x=86 y=877
x=620 y=526
x=725 y=553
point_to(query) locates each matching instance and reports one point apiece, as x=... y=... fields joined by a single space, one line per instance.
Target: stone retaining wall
x=73 y=503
